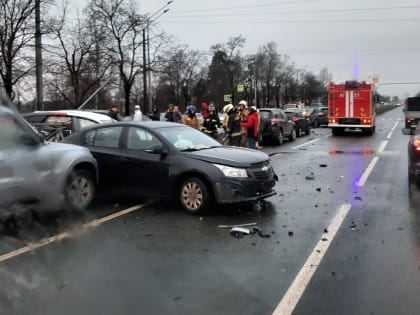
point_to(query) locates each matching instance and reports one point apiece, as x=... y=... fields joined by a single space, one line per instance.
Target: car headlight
x=232 y=171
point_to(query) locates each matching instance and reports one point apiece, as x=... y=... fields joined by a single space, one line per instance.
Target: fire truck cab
x=351 y=106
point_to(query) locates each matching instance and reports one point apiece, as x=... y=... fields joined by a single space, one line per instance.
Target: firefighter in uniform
x=211 y=123
x=232 y=124
x=243 y=116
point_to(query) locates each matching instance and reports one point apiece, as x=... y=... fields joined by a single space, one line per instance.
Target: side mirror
x=157 y=149
x=406 y=131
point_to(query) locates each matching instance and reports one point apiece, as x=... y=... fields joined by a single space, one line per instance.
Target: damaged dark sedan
x=173 y=161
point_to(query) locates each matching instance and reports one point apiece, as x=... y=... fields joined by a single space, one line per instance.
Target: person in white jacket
x=138 y=116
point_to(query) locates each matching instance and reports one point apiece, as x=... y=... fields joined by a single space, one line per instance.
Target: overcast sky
x=381 y=36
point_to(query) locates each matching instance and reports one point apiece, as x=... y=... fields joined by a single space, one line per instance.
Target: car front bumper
x=243 y=190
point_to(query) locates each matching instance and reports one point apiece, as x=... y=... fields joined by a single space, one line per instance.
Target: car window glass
x=324 y=110
x=140 y=139
x=80 y=123
x=35 y=119
x=11 y=133
x=104 y=137
x=265 y=114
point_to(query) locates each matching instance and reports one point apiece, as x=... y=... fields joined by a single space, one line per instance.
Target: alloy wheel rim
x=192 y=196
x=80 y=191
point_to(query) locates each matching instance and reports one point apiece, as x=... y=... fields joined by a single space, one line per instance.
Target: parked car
x=43 y=176
x=302 y=124
x=319 y=117
x=55 y=125
x=174 y=161
x=414 y=157
x=276 y=126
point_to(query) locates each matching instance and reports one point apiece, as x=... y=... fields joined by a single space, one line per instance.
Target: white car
x=57 y=124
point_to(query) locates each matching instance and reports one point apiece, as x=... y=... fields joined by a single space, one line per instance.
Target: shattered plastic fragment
x=239 y=232
x=323 y=165
x=325 y=230
x=290 y=233
x=309 y=177
x=260 y=233
x=318 y=189
x=324 y=239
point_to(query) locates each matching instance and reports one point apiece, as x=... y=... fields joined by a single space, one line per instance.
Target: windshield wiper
x=199 y=148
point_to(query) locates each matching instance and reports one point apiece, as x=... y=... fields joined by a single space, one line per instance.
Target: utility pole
x=38 y=57
x=149 y=70
x=145 y=107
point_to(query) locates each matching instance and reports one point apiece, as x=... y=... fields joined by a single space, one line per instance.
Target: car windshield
x=187 y=139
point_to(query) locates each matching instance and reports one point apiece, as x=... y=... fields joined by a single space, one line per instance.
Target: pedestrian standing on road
x=211 y=124
x=114 y=113
x=243 y=116
x=205 y=110
x=138 y=116
x=177 y=115
x=154 y=115
x=233 y=126
x=169 y=116
x=190 y=118
x=252 y=127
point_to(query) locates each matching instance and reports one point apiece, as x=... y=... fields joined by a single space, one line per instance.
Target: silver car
x=39 y=174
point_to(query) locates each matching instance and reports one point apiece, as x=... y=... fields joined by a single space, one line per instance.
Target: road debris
x=237 y=225
x=309 y=177
x=353 y=226
x=358 y=198
x=324 y=239
x=263 y=235
x=318 y=189
x=400 y=229
x=325 y=230
x=323 y=165
x=239 y=232
x=290 y=233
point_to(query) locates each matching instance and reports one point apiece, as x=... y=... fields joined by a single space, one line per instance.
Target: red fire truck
x=350 y=105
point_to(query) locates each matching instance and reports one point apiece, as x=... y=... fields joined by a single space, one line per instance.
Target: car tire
x=280 y=137
x=299 y=132
x=79 y=190
x=194 y=195
x=292 y=136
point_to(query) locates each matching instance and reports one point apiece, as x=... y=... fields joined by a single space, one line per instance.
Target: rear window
x=413 y=104
x=265 y=114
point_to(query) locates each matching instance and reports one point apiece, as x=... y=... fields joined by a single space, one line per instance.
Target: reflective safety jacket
x=233 y=125
x=211 y=124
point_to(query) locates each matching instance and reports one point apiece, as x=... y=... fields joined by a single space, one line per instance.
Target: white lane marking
x=395 y=126
x=367 y=172
x=304 y=144
x=46 y=241
x=289 y=301
x=382 y=146
x=389 y=135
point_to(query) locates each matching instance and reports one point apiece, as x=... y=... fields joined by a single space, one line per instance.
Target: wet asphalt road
x=160 y=260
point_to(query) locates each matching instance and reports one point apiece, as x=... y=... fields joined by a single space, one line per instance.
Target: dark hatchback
x=302 y=124
x=174 y=161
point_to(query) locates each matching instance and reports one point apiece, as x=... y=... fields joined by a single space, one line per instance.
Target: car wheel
x=194 y=195
x=79 y=190
x=280 y=138
x=292 y=136
x=299 y=132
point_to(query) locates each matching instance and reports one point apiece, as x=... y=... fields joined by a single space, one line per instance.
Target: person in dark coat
x=233 y=126
x=154 y=115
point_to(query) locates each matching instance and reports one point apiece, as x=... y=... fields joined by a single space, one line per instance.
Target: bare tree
x=182 y=72
x=16 y=34
x=74 y=54
x=228 y=56
x=124 y=27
